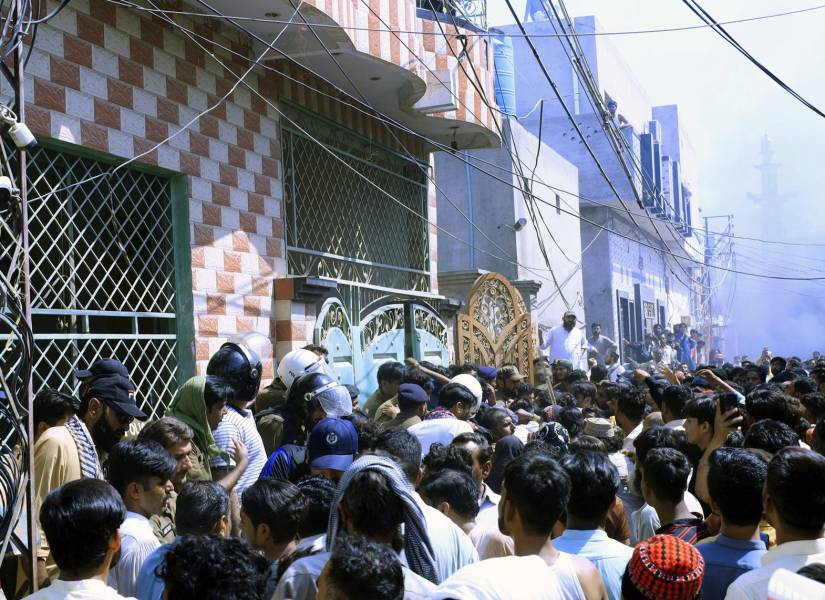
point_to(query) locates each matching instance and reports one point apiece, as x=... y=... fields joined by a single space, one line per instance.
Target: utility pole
x=712 y=254
x=706 y=291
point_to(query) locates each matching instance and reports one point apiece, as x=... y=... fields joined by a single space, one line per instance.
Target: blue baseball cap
x=413 y=392
x=487 y=372
x=333 y=444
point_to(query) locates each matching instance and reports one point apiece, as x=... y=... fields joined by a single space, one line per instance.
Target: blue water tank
x=505 y=76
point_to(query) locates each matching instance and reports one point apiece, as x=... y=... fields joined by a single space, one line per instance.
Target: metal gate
x=355 y=211
x=334 y=331
x=103 y=272
x=383 y=339
x=429 y=336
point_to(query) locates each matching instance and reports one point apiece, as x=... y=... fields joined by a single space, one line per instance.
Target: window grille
x=339 y=225
x=102 y=266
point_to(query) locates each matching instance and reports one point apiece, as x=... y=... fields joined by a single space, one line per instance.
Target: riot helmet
x=240 y=367
x=319 y=390
x=297 y=363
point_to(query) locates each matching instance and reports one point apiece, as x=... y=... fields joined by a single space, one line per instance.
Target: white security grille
x=102 y=273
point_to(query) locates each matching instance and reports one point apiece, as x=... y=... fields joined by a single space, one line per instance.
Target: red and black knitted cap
x=666 y=568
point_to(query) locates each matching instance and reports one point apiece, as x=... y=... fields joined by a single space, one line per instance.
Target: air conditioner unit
x=441 y=92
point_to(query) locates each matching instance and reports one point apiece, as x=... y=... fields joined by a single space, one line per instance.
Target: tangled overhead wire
x=16 y=346
x=15 y=374
x=20 y=21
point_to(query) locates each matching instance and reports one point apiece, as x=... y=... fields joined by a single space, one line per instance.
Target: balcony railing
x=473 y=12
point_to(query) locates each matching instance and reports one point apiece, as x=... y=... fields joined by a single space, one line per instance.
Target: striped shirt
x=240 y=425
x=691 y=531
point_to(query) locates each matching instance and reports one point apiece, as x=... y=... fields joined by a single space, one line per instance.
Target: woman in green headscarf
x=201 y=404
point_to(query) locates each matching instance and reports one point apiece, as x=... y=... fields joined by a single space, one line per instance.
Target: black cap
x=115 y=391
x=102 y=367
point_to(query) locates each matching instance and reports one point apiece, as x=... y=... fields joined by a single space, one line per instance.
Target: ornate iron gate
x=334 y=331
x=103 y=273
x=430 y=336
x=391 y=331
x=497 y=328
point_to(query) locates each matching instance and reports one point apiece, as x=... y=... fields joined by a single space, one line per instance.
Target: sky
x=727 y=105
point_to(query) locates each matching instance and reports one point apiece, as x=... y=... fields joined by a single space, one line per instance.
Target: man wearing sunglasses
x=77 y=449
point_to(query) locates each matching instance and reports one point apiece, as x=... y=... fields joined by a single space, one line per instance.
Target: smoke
x=726 y=106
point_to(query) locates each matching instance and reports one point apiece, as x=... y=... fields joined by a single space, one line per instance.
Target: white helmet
x=297 y=363
x=472 y=384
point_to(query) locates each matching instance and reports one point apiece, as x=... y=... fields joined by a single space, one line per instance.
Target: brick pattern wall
x=419 y=46
x=120 y=81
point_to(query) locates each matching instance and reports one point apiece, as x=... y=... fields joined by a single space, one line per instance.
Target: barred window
x=103 y=273
x=340 y=219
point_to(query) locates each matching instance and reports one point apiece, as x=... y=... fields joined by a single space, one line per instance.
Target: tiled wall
x=120 y=81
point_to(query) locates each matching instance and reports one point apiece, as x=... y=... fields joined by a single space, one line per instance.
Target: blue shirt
x=726 y=559
x=149 y=586
x=609 y=556
x=683 y=350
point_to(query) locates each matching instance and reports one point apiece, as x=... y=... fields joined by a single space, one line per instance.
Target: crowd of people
x=651 y=479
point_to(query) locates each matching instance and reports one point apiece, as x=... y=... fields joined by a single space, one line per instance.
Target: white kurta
x=561 y=344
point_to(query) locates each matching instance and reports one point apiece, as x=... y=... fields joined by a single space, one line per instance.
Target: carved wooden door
x=497 y=328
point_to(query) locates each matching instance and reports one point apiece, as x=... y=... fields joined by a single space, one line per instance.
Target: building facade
x=492 y=223
x=194 y=182
x=638 y=269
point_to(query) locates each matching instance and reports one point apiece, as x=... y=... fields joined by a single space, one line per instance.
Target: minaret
x=769 y=200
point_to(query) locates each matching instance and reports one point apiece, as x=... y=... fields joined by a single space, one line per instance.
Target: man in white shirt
x=241 y=368
x=668 y=351
x=81 y=520
x=615 y=369
x=567 y=342
x=674 y=399
x=140 y=471
x=458 y=401
x=534 y=495
x=794 y=500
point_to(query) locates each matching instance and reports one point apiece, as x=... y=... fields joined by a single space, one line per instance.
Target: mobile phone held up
x=728 y=401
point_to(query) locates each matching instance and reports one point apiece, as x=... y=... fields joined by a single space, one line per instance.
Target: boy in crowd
x=593 y=484
x=81 y=520
x=271 y=513
x=140 y=471
x=735 y=481
x=204 y=510
x=794 y=502
x=664 y=484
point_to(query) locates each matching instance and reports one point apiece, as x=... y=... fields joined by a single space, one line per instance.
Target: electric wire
x=437 y=144
x=276 y=21
x=310 y=26
x=579 y=63
x=700 y=12
x=335 y=156
x=400 y=144
x=374 y=113
x=174 y=134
